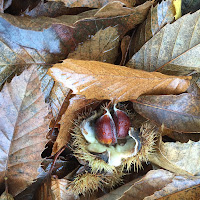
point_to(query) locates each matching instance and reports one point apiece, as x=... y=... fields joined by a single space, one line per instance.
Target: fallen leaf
x=58 y=188
x=52 y=9
x=184 y=137
x=106 y=81
x=57 y=97
x=153 y=181
x=160 y=183
x=76 y=105
x=180 y=113
x=178 y=184
x=23 y=130
x=114 y=8
x=44 y=41
x=103 y=46
x=93 y=4
x=189 y=193
x=125 y=44
x=180 y=158
x=160 y=15
x=174 y=50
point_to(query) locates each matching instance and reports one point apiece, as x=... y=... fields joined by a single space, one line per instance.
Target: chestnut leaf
x=106 y=81
x=23 y=130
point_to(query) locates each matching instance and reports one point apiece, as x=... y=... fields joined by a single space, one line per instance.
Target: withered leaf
x=180 y=158
x=103 y=46
x=106 y=81
x=160 y=15
x=59 y=190
x=45 y=40
x=189 y=193
x=57 y=97
x=179 y=183
x=114 y=8
x=52 y=9
x=153 y=181
x=159 y=183
x=180 y=113
x=92 y=4
x=23 y=130
x=174 y=50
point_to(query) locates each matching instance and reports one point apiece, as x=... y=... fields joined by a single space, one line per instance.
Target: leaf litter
x=81 y=86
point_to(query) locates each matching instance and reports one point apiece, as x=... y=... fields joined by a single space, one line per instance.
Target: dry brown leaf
x=157 y=184
x=93 y=4
x=153 y=181
x=52 y=9
x=179 y=183
x=43 y=40
x=180 y=113
x=125 y=43
x=59 y=190
x=180 y=158
x=76 y=104
x=57 y=97
x=189 y=193
x=160 y=15
x=23 y=130
x=106 y=81
x=103 y=46
x=114 y=8
x=174 y=50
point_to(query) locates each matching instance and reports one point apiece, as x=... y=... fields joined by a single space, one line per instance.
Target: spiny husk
x=90 y=182
x=81 y=152
x=148 y=138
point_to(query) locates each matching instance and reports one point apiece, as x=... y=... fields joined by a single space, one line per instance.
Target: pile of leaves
x=62 y=58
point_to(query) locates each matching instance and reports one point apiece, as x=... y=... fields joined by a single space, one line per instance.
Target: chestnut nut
x=109 y=128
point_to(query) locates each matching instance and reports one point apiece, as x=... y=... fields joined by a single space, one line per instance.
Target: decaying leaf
x=52 y=9
x=175 y=189
x=52 y=39
x=125 y=43
x=23 y=130
x=189 y=193
x=180 y=158
x=153 y=181
x=160 y=15
x=103 y=46
x=92 y=4
x=174 y=50
x=157 y=184
x=57 y=97
x=106 y=81
x=114 y=8
x=180 y=113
